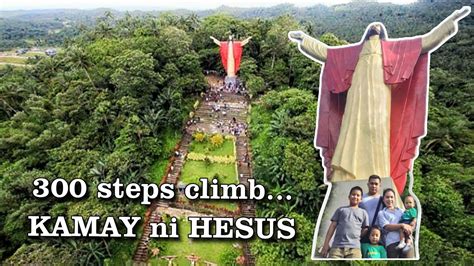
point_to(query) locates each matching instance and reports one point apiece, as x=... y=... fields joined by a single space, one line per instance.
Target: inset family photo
x=372 y=113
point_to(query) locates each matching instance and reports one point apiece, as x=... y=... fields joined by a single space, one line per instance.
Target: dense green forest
x=112 y=103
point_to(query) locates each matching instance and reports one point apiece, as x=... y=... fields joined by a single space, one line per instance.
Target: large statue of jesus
x=373 y=100
x=231 y=53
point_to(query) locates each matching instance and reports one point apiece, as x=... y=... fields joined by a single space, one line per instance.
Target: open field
x=13 y=59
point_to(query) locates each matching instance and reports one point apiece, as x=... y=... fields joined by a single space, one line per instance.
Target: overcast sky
x=166 y=4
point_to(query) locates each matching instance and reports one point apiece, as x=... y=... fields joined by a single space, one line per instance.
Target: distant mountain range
x=347 y=21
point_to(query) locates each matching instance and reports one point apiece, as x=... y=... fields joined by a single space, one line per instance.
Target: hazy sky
x=167 y=4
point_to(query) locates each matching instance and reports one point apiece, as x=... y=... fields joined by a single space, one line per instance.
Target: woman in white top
x=389 y=220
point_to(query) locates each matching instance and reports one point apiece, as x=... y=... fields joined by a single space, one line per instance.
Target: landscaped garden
x=221 y=252
x=206 y=147
x=211 y=157
x=193 y=170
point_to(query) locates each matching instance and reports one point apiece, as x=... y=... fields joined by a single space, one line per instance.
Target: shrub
x=230 y=137
x=161 y=246
x=213 y=159
x=435 y=250
x=199 y=136
x=217 y=140
x=229 y=256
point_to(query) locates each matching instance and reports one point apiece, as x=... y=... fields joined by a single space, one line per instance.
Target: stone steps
x=204 y=116
x=238 y=108
x=141 y=253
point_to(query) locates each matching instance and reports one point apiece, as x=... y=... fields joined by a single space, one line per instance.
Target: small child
x=374 y=250
x=346 y=226
x=408 y=217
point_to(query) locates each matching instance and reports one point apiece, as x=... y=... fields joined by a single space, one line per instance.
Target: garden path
x=232 y=108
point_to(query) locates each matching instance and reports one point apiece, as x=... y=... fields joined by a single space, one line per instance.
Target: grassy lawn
x=207 y=250
x=4 y=66
x=13 y=60
x=157 y=170
x=170 y=139
x=33 y=54
x=231 y=206
x=226 y=204
x=193 y=170
x=206 y=148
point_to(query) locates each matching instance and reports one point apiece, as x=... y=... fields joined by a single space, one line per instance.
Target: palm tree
x=94 y=253
x=191 y=22
x=127 y=25
x=445 y=133
x=154 y=119
x=103 y=30
x=11 y=97
x=169 y=19
x=47 y=67
x=280 y=190
x=169 y=100
x=76 y=57
x=99 y=170
x=153 y=25
x=87 y=253
x=278 y=122
x=275 y=169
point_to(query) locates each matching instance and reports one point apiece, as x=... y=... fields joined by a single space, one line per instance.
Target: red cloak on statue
x=237 y=54
x=406 y=71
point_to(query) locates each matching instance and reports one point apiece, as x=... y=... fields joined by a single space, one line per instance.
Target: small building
x=21 y=51
x=50 y=52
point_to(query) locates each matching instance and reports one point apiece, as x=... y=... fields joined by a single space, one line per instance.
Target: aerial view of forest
x=105 y=94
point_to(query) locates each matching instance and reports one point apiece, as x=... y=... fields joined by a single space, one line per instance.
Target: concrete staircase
x=237 y=106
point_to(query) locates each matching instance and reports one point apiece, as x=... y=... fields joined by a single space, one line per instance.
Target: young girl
x=373 y=250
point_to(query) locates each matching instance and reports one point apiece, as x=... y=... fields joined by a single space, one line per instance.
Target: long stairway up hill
x=218 y=110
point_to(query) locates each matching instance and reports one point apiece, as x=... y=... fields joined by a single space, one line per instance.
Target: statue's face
x=377 y=28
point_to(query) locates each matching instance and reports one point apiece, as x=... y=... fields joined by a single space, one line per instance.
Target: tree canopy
x=111 y=101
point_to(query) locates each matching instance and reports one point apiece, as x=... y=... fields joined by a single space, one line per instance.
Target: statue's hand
x=461 y=13
x=244 y=42
x=296 y=35
x=216 y=41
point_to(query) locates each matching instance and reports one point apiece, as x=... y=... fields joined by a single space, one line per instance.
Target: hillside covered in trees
x=113 y=102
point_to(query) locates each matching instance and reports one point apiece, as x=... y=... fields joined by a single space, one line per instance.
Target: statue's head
x=375 y=28
x=231 y=38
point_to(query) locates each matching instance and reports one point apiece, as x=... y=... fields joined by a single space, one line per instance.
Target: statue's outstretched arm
x=216 y=41
x=443 y=31
x=244 y=42
x=310 y=46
